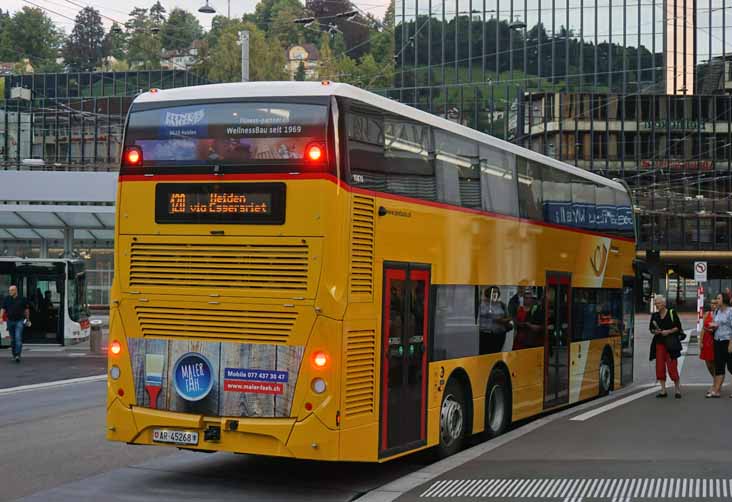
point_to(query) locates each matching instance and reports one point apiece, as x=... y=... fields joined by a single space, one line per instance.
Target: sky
x=118 y=9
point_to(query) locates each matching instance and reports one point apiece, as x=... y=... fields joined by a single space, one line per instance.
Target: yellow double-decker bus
x=311 y=270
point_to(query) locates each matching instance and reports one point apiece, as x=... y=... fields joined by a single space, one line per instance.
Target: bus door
x=404 y=357
x=557 y=340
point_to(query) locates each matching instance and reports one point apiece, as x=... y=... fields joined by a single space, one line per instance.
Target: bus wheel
x=606 y=374
x=452 y=420
x=497 y=404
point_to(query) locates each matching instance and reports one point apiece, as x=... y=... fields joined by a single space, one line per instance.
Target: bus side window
x=456 y=322
x=529 y=189
x=457 y=170
x=498 y=181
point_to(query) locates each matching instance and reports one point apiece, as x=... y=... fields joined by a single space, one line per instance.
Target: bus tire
x=607 y=373
x=497 y=404
x=453 y=419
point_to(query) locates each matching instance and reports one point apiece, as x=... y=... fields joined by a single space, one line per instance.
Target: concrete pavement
x=56 y=451
x=646 y=448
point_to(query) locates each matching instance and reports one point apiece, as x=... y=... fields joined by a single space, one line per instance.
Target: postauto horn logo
x=193 y=376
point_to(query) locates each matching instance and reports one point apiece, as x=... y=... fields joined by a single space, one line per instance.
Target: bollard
x=95 y=339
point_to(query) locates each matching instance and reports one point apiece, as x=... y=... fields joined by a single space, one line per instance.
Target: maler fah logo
x=193 y=376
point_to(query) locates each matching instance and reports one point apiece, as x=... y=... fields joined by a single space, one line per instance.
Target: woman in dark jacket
x=665 y=346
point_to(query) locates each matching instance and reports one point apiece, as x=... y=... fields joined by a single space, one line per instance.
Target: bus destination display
x=246 y=203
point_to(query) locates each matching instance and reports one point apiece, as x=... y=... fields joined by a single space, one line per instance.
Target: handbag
x=672 y=342
x=680 y=334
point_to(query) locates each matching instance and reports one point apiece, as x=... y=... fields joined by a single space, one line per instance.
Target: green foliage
x=180 y=30
x=115 y=42
x=267 y=59
x=85 y=48
x=300 y=73
x=283 y=26
x=143 y=46
x=157 y=14
x=7 y=52
x=34 y=36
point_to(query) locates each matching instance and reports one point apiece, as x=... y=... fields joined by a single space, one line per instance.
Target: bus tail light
x=132 y=156
x=115 y=348
x=315 y=153
x=320 y=360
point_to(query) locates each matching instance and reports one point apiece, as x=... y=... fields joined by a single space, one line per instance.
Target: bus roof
x=212 y=92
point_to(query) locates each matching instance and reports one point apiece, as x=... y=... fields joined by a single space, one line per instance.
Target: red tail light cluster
x=315 y=153
x=132 y=156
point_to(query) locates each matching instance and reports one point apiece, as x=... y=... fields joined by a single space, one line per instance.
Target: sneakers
x=17 y=359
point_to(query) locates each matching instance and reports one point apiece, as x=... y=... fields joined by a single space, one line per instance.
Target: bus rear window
x=244 y=133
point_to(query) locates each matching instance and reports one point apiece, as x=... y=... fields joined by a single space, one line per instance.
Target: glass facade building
x=71 y=122
x=633 y=89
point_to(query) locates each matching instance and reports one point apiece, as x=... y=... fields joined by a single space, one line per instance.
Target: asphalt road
x=54 y=449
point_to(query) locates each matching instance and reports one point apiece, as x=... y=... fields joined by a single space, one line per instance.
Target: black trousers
x=722 y=357
x=491 y=342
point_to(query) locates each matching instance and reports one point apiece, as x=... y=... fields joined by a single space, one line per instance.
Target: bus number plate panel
x=242 y=203
x=175 y=436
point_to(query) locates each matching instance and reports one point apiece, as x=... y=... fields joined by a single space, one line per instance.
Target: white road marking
x=49 y=385
x=578 y=489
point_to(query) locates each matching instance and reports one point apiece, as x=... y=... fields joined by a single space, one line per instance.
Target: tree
x=84 y=48
x=328 y=63
x=180 y=30
x=143 y=46
x=7 y=52
x=300 y=73
x=225 y=59
x=283 y=26
x=115 y=42
x=157 y=15
x=34 y=36
x=355 y=30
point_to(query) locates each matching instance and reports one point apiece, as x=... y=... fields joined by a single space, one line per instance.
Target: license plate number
x=175 y=437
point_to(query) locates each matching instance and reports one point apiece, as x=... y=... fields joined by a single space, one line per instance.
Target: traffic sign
x=700 y=271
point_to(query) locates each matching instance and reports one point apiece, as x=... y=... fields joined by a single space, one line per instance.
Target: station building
x=60 y=141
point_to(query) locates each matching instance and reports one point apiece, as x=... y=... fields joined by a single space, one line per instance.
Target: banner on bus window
x=589 y=216
x=215 y=378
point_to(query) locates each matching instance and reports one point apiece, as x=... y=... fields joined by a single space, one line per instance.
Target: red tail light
x=315 y=153
x=132 y=156
x=115 y=347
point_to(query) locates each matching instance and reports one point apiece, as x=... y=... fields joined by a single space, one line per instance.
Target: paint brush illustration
x=153 y=377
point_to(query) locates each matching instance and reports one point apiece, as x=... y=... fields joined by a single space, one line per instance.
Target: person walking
x=665 y=346
x=722 y=327
x=17 y=309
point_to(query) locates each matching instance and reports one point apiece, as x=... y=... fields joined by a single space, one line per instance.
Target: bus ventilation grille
x=360 y=374
x=246 y=326
x=362 y=250
x=231 y=266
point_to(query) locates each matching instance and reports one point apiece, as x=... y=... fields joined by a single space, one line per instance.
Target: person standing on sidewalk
x=665 y=346
x=722 y=326
x=706 y=341
x=17 y=309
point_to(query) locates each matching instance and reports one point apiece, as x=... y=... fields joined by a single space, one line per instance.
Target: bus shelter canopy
x=57 y=205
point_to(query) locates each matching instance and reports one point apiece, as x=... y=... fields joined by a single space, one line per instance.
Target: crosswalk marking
x=583 y=489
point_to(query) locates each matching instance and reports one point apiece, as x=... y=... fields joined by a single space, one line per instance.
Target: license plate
x=175 y=437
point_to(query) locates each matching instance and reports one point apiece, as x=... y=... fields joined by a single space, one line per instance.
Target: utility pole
x=244 y=39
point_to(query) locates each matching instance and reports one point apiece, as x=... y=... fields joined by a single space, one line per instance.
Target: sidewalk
x=618 y=448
